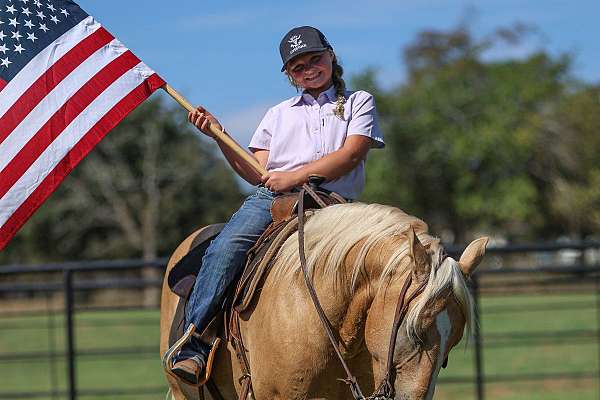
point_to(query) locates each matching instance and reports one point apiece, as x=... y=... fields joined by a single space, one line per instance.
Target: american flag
x=65 y=82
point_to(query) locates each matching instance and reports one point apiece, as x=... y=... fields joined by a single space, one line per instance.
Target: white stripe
x=44 y=60
x=46 y=108
x=444 y=327
x=54 y=153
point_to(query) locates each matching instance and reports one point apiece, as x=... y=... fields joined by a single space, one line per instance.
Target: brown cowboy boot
x=190 y=370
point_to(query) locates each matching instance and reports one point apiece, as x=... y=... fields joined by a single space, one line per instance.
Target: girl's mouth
x=312 y=78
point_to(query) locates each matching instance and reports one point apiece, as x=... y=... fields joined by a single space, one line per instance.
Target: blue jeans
x=225 y=257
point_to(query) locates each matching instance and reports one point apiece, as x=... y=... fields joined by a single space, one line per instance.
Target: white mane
x=331 y=233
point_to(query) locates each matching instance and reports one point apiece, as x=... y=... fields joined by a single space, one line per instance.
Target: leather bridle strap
x=386 y=388
x=350 y=379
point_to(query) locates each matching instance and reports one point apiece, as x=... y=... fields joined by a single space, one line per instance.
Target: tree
x=568 y=159
x=462 y=134
x=147 y=185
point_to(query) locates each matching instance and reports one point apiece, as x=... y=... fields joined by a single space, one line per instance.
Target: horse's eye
x=445 y=364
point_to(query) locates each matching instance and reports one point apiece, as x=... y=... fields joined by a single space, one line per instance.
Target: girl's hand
x=203 y=120
x=282 y=181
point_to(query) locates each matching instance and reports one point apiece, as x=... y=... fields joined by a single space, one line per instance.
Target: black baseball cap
x=300 y=40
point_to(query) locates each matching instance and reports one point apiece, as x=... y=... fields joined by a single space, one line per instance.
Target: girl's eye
x=298 y=69
x=315 y=59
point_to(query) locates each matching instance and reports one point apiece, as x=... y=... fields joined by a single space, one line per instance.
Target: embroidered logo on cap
x=296 y=43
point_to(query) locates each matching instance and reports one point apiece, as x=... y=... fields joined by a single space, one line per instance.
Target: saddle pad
x=260 y=259
x=183 y=275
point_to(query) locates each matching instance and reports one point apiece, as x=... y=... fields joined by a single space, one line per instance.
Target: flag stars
x=16 y=35
x=5 y=62
x=54 y=19
x=2 y=35
x=13 y=22
x=31 y=36
x=29 y=24
x=38 y=3
x=18 y=48
x=50 y=7
x=26 y=11
x=11 y=9
x=44 y=27
x=64 y=12
x=41 y=15
x=3 y=49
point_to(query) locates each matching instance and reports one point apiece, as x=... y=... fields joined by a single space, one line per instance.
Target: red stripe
x=75 y=155
x=2 y=85
x=63 y=117
x=51 y=78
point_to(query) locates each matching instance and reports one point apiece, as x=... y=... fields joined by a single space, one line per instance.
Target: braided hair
x=338 y=84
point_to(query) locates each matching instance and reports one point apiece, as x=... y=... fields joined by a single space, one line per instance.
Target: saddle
x=240 y=297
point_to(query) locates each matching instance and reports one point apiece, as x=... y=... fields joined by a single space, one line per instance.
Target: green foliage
x=464 y=139
x=141 y=191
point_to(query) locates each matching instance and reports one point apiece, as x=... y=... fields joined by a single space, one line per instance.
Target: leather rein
x=385 y=390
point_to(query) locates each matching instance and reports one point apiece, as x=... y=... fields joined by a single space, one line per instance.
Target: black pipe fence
x=572 y=268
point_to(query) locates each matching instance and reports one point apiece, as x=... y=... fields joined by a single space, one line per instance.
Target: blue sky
x=224 y=55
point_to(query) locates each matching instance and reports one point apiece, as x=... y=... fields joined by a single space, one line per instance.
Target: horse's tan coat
x=289 y=353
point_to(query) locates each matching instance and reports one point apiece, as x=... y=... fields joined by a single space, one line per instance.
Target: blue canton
x=28 y=26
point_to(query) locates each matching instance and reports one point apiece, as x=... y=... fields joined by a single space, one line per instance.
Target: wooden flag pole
x=220 y=135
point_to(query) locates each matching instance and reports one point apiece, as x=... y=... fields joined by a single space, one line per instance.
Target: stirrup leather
x=167 y=360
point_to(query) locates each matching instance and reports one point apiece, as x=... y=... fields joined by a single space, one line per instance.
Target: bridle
x=385 y=390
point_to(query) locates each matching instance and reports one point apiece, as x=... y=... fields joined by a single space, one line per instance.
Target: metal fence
x=540 y=268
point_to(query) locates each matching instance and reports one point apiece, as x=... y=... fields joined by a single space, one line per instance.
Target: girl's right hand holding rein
x=202 y=119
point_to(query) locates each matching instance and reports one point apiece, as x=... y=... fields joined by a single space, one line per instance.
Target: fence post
x=68 y=287
x=479 y=374
x=598 y=326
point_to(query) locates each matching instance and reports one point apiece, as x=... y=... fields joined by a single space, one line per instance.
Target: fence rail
x=76 y=277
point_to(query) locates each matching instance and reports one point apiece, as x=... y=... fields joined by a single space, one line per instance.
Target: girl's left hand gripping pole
x=222 y=136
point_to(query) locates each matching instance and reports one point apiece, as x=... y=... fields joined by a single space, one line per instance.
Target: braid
x=340 y=89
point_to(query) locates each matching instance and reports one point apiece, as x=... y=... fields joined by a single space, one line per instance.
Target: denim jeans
x=225 y=257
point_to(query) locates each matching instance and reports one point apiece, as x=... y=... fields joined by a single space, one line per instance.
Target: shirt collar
x=330 y=93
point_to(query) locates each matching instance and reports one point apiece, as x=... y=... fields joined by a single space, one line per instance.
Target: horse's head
x=434 y=321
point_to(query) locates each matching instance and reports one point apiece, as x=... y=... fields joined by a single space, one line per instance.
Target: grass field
x=558 y=337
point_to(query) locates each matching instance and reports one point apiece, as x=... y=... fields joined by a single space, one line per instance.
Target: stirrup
x=167 y=360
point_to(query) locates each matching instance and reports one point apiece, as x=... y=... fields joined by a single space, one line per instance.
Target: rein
x=385 y=391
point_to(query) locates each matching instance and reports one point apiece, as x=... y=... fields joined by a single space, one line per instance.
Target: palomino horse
x=359 y=256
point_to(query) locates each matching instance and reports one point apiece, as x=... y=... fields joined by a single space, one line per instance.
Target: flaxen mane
x=332 y=232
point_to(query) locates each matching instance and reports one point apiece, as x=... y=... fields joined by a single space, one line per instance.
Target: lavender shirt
x=300 y=130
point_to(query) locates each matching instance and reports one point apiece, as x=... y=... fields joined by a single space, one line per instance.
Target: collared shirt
x=301 y=130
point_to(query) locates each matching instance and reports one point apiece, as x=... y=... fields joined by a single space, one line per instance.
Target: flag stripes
x=10 y=224
x=50 y=79
x=57 y=108
x=39 y=64
x=63 y=117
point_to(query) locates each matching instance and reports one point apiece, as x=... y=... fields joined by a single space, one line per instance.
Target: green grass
x=101 y=331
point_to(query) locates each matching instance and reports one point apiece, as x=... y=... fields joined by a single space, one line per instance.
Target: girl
x=325 y=131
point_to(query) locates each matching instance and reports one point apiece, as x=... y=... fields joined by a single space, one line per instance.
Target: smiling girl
x=326 y=130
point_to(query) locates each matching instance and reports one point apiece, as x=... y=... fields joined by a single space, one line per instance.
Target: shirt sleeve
x=261 y=140
x=364 y=119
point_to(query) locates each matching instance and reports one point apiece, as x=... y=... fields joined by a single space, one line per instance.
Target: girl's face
x=312 y=71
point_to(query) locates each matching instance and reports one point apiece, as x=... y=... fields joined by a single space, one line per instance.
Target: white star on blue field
x=20 y=21
x=224 y=55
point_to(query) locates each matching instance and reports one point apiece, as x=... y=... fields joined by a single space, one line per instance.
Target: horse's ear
x=418 y=253
x=473 y=254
